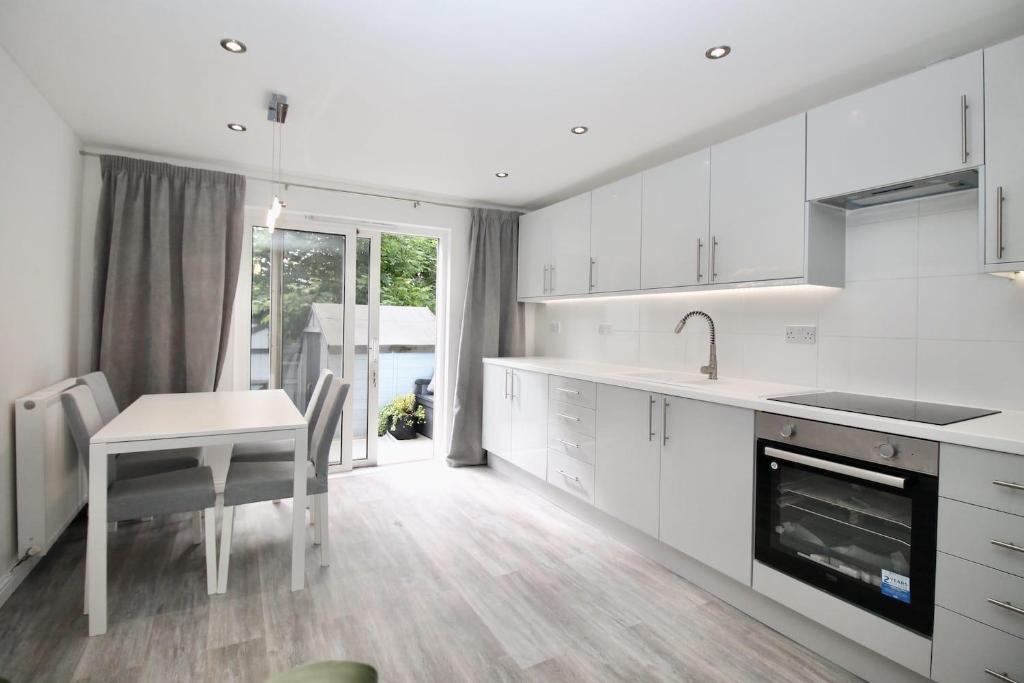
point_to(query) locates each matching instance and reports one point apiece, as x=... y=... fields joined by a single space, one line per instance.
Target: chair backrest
x=326 y=426
x=101 y=393
x=316 y=400
x=83 y=419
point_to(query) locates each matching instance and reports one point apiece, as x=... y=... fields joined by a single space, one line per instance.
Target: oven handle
x=838 y=468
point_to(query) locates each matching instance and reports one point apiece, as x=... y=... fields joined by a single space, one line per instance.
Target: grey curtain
x=492 y=324
x=168 y=248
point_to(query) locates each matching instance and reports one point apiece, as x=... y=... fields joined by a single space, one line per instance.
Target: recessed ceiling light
x=233 y=45
x=578 y=130
x=718 y=51
x=237 y=127
x=502 y=174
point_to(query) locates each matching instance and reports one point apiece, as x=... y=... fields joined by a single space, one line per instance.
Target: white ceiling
x=434 y=97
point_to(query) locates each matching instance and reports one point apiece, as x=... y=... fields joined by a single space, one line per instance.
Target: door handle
x=714 y=258
x=963 y=130
x=650 y=419
x=999 y=222
x=664 y=421
x=700 y=249
x=593 y=282
x=507 y=372
x=545 y=287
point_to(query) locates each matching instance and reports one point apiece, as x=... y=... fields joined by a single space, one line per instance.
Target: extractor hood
x=898 y=192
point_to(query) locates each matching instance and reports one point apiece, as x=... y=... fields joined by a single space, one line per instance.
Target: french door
x=316 y=305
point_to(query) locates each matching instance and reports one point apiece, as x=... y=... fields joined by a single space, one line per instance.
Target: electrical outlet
x=604 y=328
x=801 y=334
x=555 y=327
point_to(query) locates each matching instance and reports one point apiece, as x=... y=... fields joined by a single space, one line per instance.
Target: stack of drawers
x=572 y=448
x=979 y=575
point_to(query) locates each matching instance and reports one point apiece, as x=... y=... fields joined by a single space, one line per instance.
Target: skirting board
x=852 y=656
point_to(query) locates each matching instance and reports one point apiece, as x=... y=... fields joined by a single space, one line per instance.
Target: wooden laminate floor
x=437 y=574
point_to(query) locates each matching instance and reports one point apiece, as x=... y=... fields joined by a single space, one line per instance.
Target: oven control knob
x=787 y=431
x=886 y=450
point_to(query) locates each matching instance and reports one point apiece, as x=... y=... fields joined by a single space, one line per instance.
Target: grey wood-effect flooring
x=436 y=574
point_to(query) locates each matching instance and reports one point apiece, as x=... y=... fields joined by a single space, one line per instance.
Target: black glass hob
x=896 y=408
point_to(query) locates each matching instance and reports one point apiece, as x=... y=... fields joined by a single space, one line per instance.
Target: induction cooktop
x=879 y=406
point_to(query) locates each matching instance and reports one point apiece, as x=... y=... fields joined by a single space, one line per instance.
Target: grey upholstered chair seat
x=262 y=451
x=251 y=482
x=161 y=494
x=132 y=465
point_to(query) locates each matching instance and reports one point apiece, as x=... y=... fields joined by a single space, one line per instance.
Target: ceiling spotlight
x=501 y=174
x=718 y=51
x=233 y=45
x=578 y=130
x=237 y=127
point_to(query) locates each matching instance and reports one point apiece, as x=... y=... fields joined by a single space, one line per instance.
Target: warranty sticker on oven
x=896 y=585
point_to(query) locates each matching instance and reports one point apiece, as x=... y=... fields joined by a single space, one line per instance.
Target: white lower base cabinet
x=628 y=456
x=967 y=651
x=707 y=484
x=515 y=417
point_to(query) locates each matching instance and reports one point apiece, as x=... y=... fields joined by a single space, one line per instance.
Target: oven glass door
x=861 y=532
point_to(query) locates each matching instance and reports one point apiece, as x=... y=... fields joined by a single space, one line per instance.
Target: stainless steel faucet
x=711 y=369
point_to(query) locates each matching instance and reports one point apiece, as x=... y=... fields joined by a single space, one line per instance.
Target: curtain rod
x=414 y=202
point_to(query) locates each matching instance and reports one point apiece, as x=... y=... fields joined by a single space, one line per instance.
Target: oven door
x=862 y=532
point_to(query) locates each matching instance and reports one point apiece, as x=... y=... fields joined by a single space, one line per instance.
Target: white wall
x=914 y=320
x=40 y=179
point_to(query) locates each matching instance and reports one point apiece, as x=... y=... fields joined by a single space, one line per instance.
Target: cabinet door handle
x=570 y=444
x=507 y=373
x=1008 y=546
x=1000 y=676
x=567 y=417
x=714 y=258
x=1009 y=484
x=1006 y=605
x=593 y=280
x=664 y=421
x=999 y=222
x=963 y=130
x=569 y=476
x=546 y=269
x=700 y=250
x=650 y=419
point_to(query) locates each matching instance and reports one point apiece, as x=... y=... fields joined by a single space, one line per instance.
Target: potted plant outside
x=400 y=417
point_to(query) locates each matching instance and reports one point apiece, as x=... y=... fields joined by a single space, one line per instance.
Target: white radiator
x=52 y=484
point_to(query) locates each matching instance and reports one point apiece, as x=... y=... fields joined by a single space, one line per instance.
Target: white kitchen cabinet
x=628 y=456
x=615 y=211
x=707 y=484
x=515 y=414
x=1004 y=156
x=924 y=124
x=497 y=413
x=757 y=205
x=534 y=254
x=675 y=229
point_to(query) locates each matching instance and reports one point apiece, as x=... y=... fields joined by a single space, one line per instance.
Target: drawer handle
x=1006 y=605
x=1009 y=484
x=569 y=476
x=1008 y=545
x=567 y=391
x=1000 y=676
x=568 y=417
x=571 y=444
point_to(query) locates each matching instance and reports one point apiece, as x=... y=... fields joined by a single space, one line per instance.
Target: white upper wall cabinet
x=1004 y=166
x=570 y=265
x=757 y=204
x=534 y=254
x=615 y=236
x=924 y=124
x=675 y=229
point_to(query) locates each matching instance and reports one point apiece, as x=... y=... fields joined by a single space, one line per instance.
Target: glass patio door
x=314 y=307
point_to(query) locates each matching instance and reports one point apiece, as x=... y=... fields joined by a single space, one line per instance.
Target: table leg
x=96 y=543
x=299 y=513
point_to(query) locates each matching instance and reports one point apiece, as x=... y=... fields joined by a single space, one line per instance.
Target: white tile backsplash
x=914 y=320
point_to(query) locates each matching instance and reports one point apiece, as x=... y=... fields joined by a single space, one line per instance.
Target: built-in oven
x=850 y=511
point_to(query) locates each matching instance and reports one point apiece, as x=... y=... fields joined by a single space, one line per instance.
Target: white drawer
x=575 y=391
x=969 y=474
x=973 y=533
x=964 y=649
x=578 y=419
x=572 y=475
x=968 y=588
x=576 y=445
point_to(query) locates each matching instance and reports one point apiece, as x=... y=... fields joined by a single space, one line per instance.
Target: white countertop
x=1001 y=432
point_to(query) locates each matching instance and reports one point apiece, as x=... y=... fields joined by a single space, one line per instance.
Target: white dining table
x=162 y=421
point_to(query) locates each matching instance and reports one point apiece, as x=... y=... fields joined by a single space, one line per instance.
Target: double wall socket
x=801 y=334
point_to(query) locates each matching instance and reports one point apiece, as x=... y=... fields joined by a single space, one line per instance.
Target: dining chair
x=183 y=490
x=131 y=465
x=275 y=451
x=253 y=482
